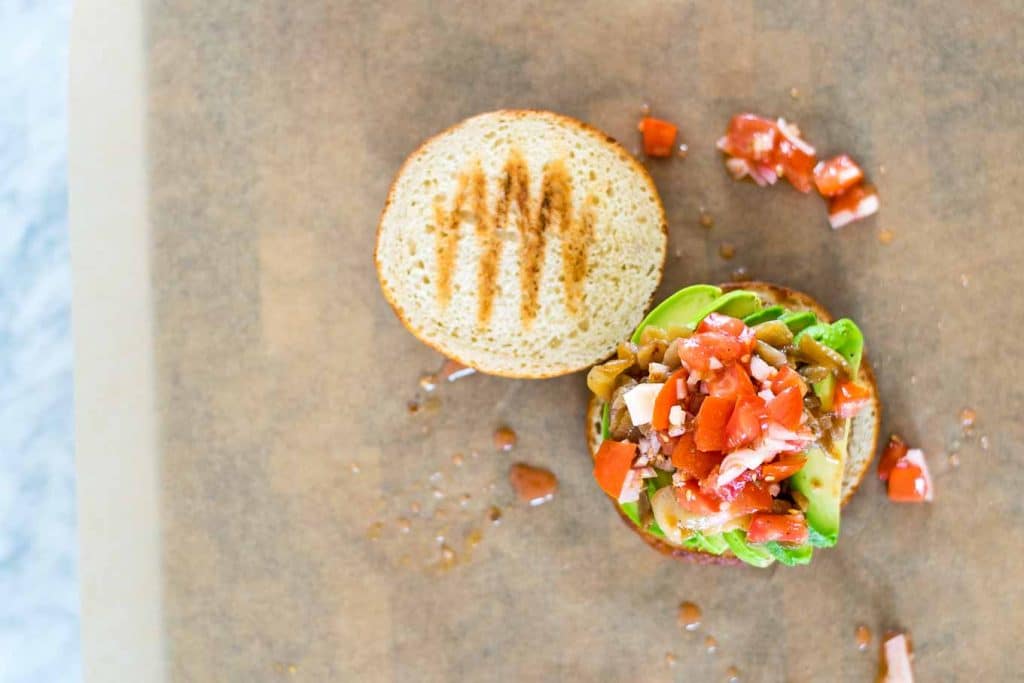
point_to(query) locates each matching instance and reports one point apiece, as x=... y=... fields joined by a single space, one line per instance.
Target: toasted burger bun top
x=521 y=243
x=863 y=429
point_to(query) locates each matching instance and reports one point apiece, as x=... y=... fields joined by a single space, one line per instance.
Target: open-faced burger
x=734 y=424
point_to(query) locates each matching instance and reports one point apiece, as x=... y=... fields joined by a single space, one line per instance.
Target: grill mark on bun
x=490 y=242
x=576 y=239
x=446 y=244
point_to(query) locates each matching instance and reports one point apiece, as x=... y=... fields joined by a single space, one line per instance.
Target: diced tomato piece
x=668 y=444
x=716 y=322
x=787 y=528
x=711 y=422
x=837 y=175
x=783 y=467
x=667 y=397
x=850 y=398
x=745 y=422
x=786 y=408
x=659 y=137
x=698 y=350
x=611 y=465
x=691 y=462
x=893 y=453
x=788 y=377
x=753 y=497
x=730 y=382
x=692 y=499
x=750 y=137
x=907 y=483
x=797 y=165
x=860 y=201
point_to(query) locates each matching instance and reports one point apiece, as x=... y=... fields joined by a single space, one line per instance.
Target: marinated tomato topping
x=722 y=414
x=659 y=136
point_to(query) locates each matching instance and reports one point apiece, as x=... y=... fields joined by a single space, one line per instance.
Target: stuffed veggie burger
x=734 y=424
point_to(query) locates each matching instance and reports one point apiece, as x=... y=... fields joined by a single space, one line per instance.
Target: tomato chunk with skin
x=698 y=350
x=786 y=408
x=731 y=382
x=717 y=322
x=856 y=203
x=611 y=465
x=750 y=137
x=667 y=397
x=850 y=398
x=893 y=453
x=784 y=528
x=797 y=165
x=783 y=467
x=753 y=497
x=712 y=419
x=837 y=175
x=692 y=462
x=745 y=422
x=788 y=377
x=907 y=483
x=659 y=137
x=692 y=499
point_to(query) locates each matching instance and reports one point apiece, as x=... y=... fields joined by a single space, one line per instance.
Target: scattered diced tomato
x=667 y=397
x=850 y=398
x=837 y=175
x=753 y=497
x=786 y=408
x=711 y=422
x=730 y=382
x=787 y=528
x=745 y=422
x=611 y=465
x=717 y=322
x=750 y=137
x=659 y=137
x=893 y=453
x=788 y=377
x=783 y=467
x=856 y=203
x=907 y=483
x=691 y=462
x=692 y=499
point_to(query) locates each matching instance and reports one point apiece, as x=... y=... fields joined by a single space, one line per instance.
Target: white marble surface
x=38 y=547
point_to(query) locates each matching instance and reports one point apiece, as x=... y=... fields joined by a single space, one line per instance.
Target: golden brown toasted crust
x=789 y=298
x=516 y=191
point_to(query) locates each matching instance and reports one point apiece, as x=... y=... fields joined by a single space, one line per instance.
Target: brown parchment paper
x=274 y=131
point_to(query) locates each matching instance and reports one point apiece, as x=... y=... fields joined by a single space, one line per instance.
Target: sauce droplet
x=710 y=645
x=967 y=417
x=457 y=459
x=428 y=382
x=794 y=93
x=739 y=274
x=670 y=660
x=494 y=514
x=689 y=616
x=447 y=555
x=464 y=500
x=726 y=250
x=706 y=219
x=431 y=404
x=473 y=538
x=414 y=508
x=533 y=485
x=863 y=636
x=684 y=149
x=732 y=674
x=645 y=109
x=504 y=439
x=355 y=468
x=886 y=236
x=404 y=524
x=373 y=531
x=413 y=407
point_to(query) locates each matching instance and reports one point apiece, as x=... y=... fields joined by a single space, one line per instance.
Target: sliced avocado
x=764 y=315
x=680 y=308
x=843 y=336
x=824 y=390
x=632 y=511
x=709 y=543
x=739 y=304
x=606 y=431
x=821 y=482
x=798 y=320
x=789 y=555
x=755 y=555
